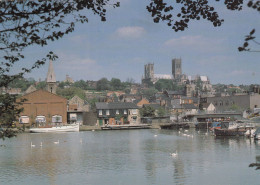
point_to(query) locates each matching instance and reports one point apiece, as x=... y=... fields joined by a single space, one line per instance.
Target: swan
x=155 y=135
x=93 y=130
x=41 y=144
x=56 y=142
x=174 y=154
x=32 y=145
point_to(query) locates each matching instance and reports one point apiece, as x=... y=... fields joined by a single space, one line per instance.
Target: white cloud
x=130 y=32
x=195 y=43
x=240 y=72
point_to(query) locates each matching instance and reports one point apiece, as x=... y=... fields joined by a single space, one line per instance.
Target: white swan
x=155 y=135
x=174 y=154
x=32 y=145
x=56 y=142
x=41 y=144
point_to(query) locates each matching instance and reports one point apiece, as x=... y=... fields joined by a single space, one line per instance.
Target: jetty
x=126 y=127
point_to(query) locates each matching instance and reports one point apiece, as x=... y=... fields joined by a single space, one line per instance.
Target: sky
x=129 y=39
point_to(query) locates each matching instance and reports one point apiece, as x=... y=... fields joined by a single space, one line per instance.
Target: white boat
x=63 y=128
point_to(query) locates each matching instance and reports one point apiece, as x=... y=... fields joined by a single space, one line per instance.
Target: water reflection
x=128 y=157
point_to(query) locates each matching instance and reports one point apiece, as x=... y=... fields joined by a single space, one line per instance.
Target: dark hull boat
x=229 y=132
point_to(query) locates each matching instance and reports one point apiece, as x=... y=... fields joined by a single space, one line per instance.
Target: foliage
x=9 y=112
x=127 y=91
x=21 y=83
x=148 y=93
x=118 y=117
x=116 y=84
x=235 y=107
x=81 y=84
x=41 y=85
x=71 y=92
x=62 y=85
x=187 y=10
x=103 y=84
x=92 y=103
x=164 y=84
x=147 y=111
x=161 y=112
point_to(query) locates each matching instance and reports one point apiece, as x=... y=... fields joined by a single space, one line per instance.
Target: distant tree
x=235 y=107
x=148 y=93
x=21 y=83
x=147 y=111
x=92 y=103
x=81 y=84
x=130 y=80
x=71 y=92
x=164 y=84
x=161 y=112
x=127 y=91
x=62 y=85
x=41 y=85
x=177 y=87
x=116 y=84
x=103 y=84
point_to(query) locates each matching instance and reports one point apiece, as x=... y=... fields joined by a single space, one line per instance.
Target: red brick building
x=43 y=103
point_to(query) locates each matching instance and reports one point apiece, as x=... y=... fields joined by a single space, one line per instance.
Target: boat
x=62 y=128
x=232 y=128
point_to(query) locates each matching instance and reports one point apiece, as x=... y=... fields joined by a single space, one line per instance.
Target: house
x=43 y=107
x=117 y=113
x=173 y=94
x=30 y=89
x=76 y=109
x=141 y=102
x=209 y=107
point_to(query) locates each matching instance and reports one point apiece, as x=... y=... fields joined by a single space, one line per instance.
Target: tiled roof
x=116 y=105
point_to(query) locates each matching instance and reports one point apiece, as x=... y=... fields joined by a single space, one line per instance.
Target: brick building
x=43 y=104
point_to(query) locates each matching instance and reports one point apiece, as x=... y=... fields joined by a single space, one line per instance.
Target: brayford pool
x=128 y=157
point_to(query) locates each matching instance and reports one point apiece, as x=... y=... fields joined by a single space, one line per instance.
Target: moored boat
x=63 y=128
x=232 y=129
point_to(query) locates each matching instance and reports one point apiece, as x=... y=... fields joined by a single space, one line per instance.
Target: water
x=128 y=157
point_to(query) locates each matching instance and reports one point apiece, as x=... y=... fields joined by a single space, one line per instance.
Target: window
x=125 y=112
x=107 y=112
x=40 y=119
x=100 y=112
x=24 y=119
x=117 y=111
x=134 y=111
x=57 y=119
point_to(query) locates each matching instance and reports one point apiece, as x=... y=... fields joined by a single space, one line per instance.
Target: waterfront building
x=238 y=102
x=117 y=113
x=42 y=107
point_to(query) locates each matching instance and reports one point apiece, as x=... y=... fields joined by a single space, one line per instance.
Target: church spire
x=51 y=79
x=51 y=75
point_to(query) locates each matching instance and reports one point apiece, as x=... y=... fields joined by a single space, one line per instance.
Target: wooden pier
x=126 y=127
